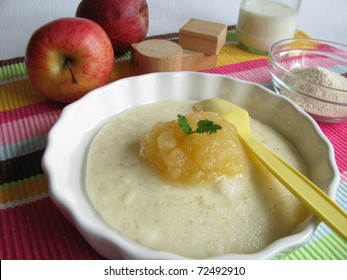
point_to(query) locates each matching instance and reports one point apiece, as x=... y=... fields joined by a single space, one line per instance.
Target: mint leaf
x=203 y=126
x=184 y=125
x=207 y=126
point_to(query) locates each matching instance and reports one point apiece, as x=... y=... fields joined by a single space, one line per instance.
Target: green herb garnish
x=203 y=126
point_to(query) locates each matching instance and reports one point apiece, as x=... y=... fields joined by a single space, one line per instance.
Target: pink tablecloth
x=31 y=227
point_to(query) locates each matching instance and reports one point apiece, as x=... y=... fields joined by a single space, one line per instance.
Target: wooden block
x=202 y=36
x=133 y=54
x=195 y=61
x=156 y=55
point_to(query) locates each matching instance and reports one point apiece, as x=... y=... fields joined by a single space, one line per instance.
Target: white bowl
x=64 y=160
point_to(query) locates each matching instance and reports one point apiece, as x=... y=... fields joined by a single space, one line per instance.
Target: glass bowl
x=311 y=73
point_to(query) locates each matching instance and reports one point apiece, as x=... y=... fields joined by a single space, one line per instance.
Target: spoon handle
x=313 y=197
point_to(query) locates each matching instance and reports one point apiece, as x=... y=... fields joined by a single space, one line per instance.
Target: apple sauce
x=193 y=158
x=239 y=213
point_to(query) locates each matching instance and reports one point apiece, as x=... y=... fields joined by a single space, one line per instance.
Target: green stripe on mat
x=30 y=180
x=12 y=71
x=329 y=247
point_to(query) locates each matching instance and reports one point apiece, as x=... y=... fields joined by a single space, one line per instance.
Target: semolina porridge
x=237 y=208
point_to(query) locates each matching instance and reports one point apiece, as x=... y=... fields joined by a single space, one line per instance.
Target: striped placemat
x=31 y=227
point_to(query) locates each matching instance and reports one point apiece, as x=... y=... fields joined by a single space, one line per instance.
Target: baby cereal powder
x=325 y=95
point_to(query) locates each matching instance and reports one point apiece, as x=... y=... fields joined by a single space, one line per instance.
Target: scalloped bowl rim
x=63 y=151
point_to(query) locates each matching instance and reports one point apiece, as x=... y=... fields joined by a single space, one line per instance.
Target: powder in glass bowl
x=322 y=77
x=319 y=91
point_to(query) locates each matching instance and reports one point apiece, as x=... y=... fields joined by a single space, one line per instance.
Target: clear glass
x=322 y=95
x=264 y=22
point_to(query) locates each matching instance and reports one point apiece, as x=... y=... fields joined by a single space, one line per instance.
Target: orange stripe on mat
x=23 y=189
x=18 y=94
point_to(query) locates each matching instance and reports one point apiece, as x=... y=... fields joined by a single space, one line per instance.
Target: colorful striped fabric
x=31 y=227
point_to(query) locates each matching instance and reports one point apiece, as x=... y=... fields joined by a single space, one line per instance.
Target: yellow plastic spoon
x=321 y=205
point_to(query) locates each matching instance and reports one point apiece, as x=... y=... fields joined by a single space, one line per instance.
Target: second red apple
x=125 y=21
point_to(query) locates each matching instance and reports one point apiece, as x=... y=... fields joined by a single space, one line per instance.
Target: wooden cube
x=202 y=36
x=196 y=61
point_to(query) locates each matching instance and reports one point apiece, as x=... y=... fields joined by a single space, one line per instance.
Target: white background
x=20 y=18
x=254 y=270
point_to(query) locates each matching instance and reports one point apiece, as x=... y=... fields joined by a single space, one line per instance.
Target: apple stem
x=74 y=79
x=144 y=8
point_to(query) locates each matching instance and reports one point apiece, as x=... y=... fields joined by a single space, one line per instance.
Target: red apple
x=68 y=57
x=125 y=21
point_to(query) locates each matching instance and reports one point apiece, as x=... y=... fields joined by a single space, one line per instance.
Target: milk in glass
x=263 y=22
